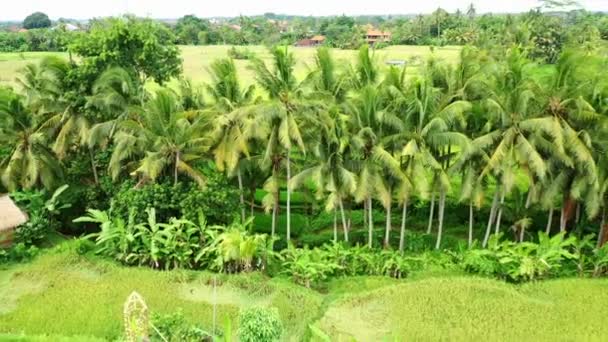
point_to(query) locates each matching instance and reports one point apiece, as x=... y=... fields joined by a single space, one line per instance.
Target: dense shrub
x=175 y=328
x=309 y=267
x=18 y=253
x=521 y=261
x=218 y=200
x=259 y=324
x=43 y=209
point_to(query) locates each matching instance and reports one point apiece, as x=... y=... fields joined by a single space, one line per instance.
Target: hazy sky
x=84 y=9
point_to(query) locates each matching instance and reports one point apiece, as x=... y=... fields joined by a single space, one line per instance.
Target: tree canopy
x=142 y=46
x=36 y=20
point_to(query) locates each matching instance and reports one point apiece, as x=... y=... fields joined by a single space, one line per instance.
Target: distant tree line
x=543 y=33
x=37 y=40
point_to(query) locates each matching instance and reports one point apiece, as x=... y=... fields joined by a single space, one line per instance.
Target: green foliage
x=29 y=160
x=599 y=261
x=179 y=243
x=20 y=252
x=310 y=267
x=218 y=200
x=259 y=324
x=36 y=40
x=36 y=20
x=188 y=30
x=307 y=267
x=523 y=261
x=59 y=280
x=142 y=46
x=240 y=53
x=548 y=38
x=175 y=328
x=43 y=210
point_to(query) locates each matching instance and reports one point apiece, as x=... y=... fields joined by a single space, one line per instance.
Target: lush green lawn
x=80 y=298
x=198 y=58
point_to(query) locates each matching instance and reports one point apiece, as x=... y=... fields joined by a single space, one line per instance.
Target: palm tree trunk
x=528 y=199
x=428 y=230
x=549 y=221
x=288 y=195
x=335 y=225
x=491 y=219
x=578 y=213
x=470 y=224
x=439 y=28
x=252 y=205
x=387 y=230
x=441 y=211
x=403 y=221
x=502 y=202
x=176 y=168
x=344 y=225
x=93 y=167
x=241 y=195
x=562 y=219
x=365 y=213
x=521 y=233
x=370 y=223
x=275 y=211
x=350 y=216
x=600 y=237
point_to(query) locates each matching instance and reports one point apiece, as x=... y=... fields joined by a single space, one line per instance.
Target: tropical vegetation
x=492 y=165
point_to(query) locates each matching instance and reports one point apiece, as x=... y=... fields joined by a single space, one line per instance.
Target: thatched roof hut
x=10 y=217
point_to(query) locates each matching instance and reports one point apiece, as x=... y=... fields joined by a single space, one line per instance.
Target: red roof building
x=373 y=36
x=312 y=42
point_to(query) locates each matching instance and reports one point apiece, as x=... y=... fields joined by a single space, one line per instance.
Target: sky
x=85 y=9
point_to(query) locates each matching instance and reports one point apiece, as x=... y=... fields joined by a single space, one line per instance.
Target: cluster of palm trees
x=355 y=135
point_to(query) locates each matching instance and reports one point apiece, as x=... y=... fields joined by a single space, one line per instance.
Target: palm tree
x=329 y=172
x=511 y=142
x=576 y=166
x=283 y=116
x=372 y=125
x=225 y=86
x=235 y=127
x=377 y=169
x=428 y=134
x=43 y=83
x=48 y=93
x=332 y=141
x=412 y=178
x=439 y=16
x=325 y=80
x=470 y=165
x=162 y=141
x=116 y=96
x=29 y=161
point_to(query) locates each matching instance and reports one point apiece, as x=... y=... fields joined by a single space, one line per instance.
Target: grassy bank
x=62 y=293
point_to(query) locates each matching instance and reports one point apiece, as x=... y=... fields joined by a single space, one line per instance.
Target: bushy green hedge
x=218 y=201
x=259 y=324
